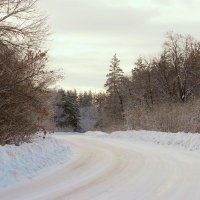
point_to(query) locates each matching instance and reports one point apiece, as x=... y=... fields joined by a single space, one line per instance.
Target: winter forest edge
x=160 y=93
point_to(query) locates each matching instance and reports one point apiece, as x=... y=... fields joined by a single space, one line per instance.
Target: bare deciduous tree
x=24 y=77
x=183 y=57
x=21 y=25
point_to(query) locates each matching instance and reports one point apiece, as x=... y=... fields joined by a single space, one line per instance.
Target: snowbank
x=190 y=141
x=96 y=133
x=18 y=163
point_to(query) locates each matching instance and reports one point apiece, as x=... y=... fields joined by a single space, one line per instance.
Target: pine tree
x=114 y=105
x=115 y=77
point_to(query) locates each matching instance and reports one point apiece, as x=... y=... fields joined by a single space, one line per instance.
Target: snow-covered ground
x=18 y=163
x=142 y=165
x=189 y=141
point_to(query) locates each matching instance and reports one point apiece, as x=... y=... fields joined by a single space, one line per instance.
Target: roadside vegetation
x=24 y=76
x=160 y=93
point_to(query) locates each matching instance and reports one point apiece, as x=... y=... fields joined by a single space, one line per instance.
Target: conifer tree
x=114 y=77
x=67 y=112
x=72 y=110
x=114 y=105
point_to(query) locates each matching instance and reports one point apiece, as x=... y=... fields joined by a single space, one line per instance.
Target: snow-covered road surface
x=114 y=169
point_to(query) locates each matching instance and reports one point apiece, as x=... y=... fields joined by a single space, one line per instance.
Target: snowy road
x=114 y=169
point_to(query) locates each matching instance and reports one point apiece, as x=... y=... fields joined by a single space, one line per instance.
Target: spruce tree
x=67 y=112
x=72 y=110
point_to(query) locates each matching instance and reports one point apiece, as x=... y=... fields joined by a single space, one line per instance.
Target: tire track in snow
x=113 y=169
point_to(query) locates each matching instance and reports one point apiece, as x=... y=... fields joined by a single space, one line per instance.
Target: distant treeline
x=161 y=93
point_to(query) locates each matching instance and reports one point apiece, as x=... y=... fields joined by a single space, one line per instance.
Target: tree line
x=160 y=93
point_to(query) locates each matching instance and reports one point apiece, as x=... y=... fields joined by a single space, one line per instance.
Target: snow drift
x=23 y=162
x=190 y=141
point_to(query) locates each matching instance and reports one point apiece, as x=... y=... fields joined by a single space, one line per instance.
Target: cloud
x=97 y=18
x=86 y=33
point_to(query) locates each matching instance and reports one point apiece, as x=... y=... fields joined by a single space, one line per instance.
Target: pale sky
x=87 y=33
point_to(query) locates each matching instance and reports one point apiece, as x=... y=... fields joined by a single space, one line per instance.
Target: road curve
x=113 y=169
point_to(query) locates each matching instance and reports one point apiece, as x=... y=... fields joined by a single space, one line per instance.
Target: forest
x=160 y=93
